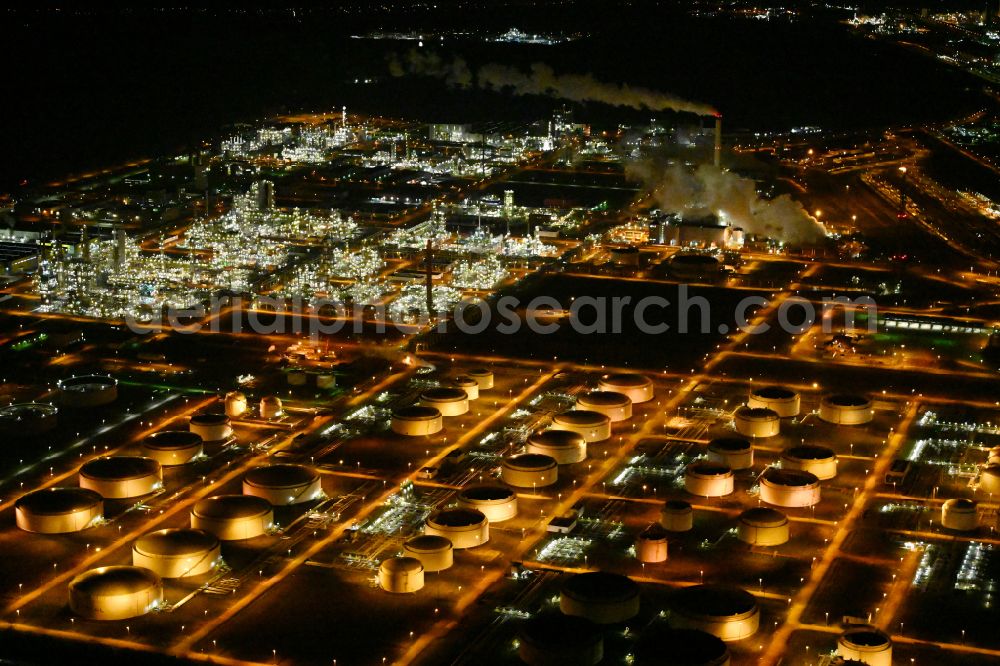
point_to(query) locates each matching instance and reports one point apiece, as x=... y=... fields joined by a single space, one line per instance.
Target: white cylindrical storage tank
x=236 y=404
x=177 y=553
x=680 y=647
x=465 y=528
x=283 y=484
x=602 y=598
x=495 y=502
x=708 y=479
x=115 y=593
x=296 y=377
x=28 y=419
x=637 y=387
x=756 y=422
x=563 y=446
x=960 y=514
x=728 y=613
x=58 y=510
x=529 y=470
x=651 y=544
x=677 y=516
x=762 y=526
x=88 y=391
x=616 y=406
x=467 y=384
x=211 y=427
x=733 y=452
x=401 y=574
x=846 y=409
x=326 y=380
x=989 y=479
x=416 y=420
x=867 y=645
x=594 y=426
x=819 y=460
x=233 y=517
x=994 y=456
x=789 y=487
x=483 y=376
x=781 y=400
x=271 y=407
x=554 y=639
x=434 y=552
x=450 y=401
x=172 y=447
x=121 y=477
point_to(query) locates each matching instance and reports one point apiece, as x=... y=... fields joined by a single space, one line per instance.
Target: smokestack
x=717 y=157
x=429 y=277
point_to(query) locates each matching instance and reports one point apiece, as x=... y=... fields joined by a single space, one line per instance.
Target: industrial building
x=177 y=553
x=58 y=510
x=121 y=477
x=283 y=484
x=601 y=597
x=233 y=517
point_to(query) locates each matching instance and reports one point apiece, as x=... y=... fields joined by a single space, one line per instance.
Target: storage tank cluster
x=282 y=485
x=593 y=426
x=728 y=613
x=88 y=391
x=450 y=401
x=416 y=421
x=563 y=446
x=233 y=517
x=651 y=545
x=736 y=453
x=435 y=552
x=121 y=477
x=867 y=645
x=115 y=593
x=638 y=388
x=677 y=516
x=783 y=401
x=495 y=502
x=789 y=488
x=28 y=418
x=757 y=422
x=616 y=406
x=708 y=479
x=960 y=514
x=601 y=597
x=464 y=528
x=762 y=526
x=210 y=426
x=58 y=510
x=818 y=460
x=529 y=470
x=172 y=447
x=177 y=553
x=846 y=409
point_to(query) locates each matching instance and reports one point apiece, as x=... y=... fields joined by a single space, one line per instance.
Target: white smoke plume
x=541 y=79
x=708 y=189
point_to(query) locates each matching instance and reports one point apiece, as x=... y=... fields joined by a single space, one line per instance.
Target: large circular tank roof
x=865 y=636
x=847 y=400
x=229 y=507
x=763 y=517
x=87 y=383
x=530 y=461
x=119 y=468
x=457 y=518
x=694 y=259
x=774 y=393
x=416 y=413
x=789 y=477
x=280 y=476
x=557 y=439
x=401 y=565
x=961 y=505
x=757 y=413
x=552 y=631
x=444 y=394
x=600 y=587
x=730 y=445
x=58 y=501
x=708 y=468
x=175 y=542
x=581 y=418
x=27 y=412
x=680 y=647
x=714 y=601
x=486 y=493
x=627 y=380
x=167 y=440
x=604 y=399
x=428 y=543
x=809 y=452
x=114 y=581
x=209 y=418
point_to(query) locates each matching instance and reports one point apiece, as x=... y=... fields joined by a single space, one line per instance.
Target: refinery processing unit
x=504 y=357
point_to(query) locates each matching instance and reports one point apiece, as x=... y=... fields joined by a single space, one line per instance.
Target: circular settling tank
x=177 y=553
x=616 y=406
x=789 y=487
x=401 y=574
x=172 y=447
x=58 y=510
x=450 y=401
x=594 y=426
x=465 y=528
x=529 y=470
x=121 y=477
x=757 y=422
x=733 y=452
x=563 y=446
x=416 y=420
x=434 y=552
x=495 y=502
x=728 y=613
x=762 y=527
x=283 y=484
x=783 y=401
x=818 y=460
x=708 y=479
x=846 y=409
x=602 y=598
x=638 y=388
x=115 y=593
x=233 y=517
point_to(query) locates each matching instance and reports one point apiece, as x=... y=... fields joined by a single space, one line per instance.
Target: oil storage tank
x=450 y=401
x=88 y=391
x=677 y=516
x=416 y=420
x=283 y=484
x=483 y=376
x=172 y=447
x=728 y=613
x=734 y=452
x=28 y=419
x=616 y=406
x=211 y=427
x=846 y=409
x=467 y=384
x=789 y=487
x=960 y=514
x=651 y=544
x=555 y=639
x=638 y=388
x=529 y=470
x=233 y=517
x=271 y=407
x=785 y=402
x=434 y=552
x=497 y=503
x=601 y=597
x=115 y=593
x=594 y=426
x=867 y=645
x=401 y=575
x=757 y=422
x=177 y=553
x=563 y=446
x=762 y=526
x=819 y=460
x=235 y=404
x=465 y=528
x=121 y=477
x=681 y=647
x=58 y=510
x=708 y=479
